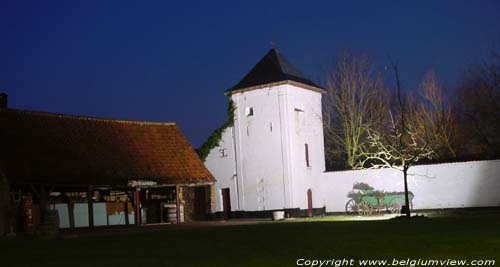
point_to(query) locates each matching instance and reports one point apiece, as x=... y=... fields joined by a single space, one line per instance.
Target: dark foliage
x=216 y=136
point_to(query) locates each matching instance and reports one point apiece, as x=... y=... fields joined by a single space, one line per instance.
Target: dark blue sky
x=171 y=61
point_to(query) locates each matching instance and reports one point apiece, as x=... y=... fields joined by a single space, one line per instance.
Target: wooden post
x=71 y=213
x=178 y=203
x=43 y=198
x=126 y=213
x=90 y=202
x=137 y=207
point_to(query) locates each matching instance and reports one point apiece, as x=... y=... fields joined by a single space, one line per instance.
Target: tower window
x=249 y=111
x=306 y=147
x=299 y=119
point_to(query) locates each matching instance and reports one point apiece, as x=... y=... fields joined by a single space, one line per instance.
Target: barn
x=93 y=172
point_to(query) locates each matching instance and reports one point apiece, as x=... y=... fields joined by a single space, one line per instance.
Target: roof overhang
x=289 y=82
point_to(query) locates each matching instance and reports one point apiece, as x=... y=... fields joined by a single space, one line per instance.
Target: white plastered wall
x=306 y=127
x=221 y=163
x=265 y=168
x=437 y=186
x=261 y=151
x=263 y=163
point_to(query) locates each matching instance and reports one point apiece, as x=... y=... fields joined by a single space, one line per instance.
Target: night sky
x=171 y=61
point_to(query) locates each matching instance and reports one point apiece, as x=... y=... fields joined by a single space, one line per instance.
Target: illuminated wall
x=263 y=162
x=262 y=159
x=449 y=185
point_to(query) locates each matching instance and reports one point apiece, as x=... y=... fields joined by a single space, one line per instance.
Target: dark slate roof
x=273 y=67
x=65 y=150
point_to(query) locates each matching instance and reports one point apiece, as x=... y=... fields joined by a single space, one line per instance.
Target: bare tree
x=479 y=104
x=352 y=105
x=436 y=112
x=402 y=140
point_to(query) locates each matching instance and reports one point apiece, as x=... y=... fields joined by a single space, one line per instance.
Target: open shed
x=98 y=171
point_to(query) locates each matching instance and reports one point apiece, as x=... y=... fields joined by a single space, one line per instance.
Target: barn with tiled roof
x=76 y=150
x=110 y=160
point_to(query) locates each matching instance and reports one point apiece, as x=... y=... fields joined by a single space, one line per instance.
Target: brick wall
x=197 y=203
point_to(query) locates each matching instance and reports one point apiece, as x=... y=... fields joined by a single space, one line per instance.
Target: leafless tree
x=403 y=139
x=479 y=104
x=352 y=105
x=437 y=113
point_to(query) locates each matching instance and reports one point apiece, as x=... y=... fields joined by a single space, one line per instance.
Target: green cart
x=365 y=201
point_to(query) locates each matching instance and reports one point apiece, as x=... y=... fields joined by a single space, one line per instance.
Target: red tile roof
x=64 y=149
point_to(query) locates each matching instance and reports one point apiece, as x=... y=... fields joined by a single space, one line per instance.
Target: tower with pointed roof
x=268 y=159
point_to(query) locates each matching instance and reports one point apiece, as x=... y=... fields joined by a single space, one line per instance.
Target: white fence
x=448 y=185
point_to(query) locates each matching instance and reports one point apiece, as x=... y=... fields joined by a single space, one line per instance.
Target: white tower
x=267 y=160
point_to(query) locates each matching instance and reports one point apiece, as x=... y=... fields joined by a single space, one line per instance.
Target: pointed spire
x=272 y=68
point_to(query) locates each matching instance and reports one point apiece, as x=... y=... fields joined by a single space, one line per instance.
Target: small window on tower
x=299 y=119
x=249 y=111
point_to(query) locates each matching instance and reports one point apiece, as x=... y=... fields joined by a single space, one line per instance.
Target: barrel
x=172 y=214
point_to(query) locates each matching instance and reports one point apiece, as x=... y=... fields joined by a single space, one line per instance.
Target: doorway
x=226 y=203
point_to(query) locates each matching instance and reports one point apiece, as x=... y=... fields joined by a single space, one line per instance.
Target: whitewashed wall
x=449 y=185
x=221 y=163
x=264 y=164
x=306 y=127
x=260 y=148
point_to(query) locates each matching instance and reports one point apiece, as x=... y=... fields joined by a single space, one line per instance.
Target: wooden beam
x=90 y=201
x=35 y=190
x=126 y=213
x=131 y=197
x=71 y=213
x=178 y=203
x=137 y=207
x=43 y=199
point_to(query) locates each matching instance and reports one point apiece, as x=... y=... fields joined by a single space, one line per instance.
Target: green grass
x=270 y=244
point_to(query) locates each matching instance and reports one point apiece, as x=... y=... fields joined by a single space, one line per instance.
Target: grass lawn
x=269 y=244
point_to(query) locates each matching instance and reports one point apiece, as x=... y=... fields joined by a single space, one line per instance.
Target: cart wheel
x=351 y=207
x=395 y=205
x=365 y=208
